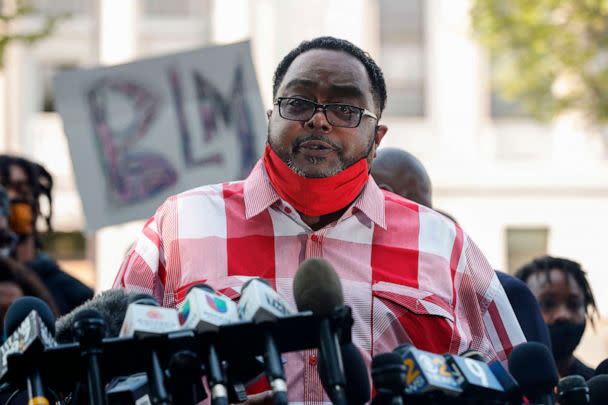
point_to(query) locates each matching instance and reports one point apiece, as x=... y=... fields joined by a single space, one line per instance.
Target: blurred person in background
x=566 y=302
x=402 y=173
x=26 y=183
x=16 y=280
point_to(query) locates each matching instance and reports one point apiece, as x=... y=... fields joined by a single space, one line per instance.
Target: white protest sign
x=142 y=131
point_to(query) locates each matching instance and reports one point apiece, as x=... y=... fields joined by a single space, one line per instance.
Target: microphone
x=185 y=378
x=598 y=389
x=317 y=288
x=89 y=329
x=532 y=365
x=573 y=390
x=506 y=380
x=476 y=378
x=30 y=324
x=358 y=390
x=144 y=317
x=261 y=304
x=144 y=320
x=602 y=368
x=205 y=311
x=111 y=305
x=388 y=374
x=428 y=372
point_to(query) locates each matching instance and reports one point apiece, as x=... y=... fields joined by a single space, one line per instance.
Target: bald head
x=400 y=172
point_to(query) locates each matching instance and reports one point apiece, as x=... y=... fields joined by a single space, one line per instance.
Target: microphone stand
x=90 y=333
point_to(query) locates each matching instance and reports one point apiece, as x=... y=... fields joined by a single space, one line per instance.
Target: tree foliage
x=22 y=9
x=550 y=55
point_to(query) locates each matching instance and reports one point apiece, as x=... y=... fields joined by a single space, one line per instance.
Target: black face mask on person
x=565 y=336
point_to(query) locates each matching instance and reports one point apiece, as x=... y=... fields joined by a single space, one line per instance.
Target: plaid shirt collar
x=260 y=195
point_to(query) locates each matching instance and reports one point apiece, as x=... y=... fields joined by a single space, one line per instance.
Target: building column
x=117 y=36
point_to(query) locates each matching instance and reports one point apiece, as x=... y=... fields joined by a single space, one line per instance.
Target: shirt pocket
x=404 y=314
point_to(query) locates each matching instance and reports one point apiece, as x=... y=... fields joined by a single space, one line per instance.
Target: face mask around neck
x=315 y=196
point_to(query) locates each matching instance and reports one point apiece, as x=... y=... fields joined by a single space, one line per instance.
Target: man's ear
x=378 y=135
x=269 y=113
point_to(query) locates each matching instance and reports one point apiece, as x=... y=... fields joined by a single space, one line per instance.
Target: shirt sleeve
x=502 y=330
x=143 y=270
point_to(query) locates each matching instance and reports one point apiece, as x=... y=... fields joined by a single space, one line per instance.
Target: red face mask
x=315 y=196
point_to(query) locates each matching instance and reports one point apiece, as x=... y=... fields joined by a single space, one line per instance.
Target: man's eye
x=344 y=109
x=294 y=102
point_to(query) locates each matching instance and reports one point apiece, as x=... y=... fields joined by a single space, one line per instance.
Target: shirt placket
x=313 y=390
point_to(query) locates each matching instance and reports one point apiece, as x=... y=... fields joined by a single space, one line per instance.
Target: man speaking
x=409 y=274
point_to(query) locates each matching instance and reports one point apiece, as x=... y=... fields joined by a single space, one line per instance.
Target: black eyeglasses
x=338 y=115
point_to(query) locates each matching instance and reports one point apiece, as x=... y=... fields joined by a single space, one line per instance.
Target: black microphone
x=185 y=378
x=358 y=390
x=506 y=380
x=532 y=365
x=573 y=390
x=601 y=368
x=388 y=374
x=598 y=389
x=317 y=288
x=30 y=324
x=89 y=329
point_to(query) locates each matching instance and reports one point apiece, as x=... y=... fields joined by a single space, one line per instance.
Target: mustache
x=313 y=137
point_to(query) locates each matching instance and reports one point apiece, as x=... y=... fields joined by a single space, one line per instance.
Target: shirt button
x=287 y=210
x=312 y=360
x=314 y=237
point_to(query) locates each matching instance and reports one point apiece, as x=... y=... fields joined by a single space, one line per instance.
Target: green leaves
x=23 y=9
x=549 y=55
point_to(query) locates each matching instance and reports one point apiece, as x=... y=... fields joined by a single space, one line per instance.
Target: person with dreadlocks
x=566 y=302
x=26 y=184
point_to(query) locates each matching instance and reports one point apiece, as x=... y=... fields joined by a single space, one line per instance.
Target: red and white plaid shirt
x=409 y=274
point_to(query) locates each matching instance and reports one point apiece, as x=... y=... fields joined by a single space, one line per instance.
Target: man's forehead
x=333 y=70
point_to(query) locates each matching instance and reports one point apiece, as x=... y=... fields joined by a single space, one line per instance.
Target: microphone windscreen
x=386 y=360
x=533 y=367
x=598 y=389
x=317 y=288
x=573 y=389
x=357 y=389
x=21 y=308
x=111 y=305
x=388 y=372
x=602 y=368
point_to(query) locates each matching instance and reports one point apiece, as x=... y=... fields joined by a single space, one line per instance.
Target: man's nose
x=319 y=120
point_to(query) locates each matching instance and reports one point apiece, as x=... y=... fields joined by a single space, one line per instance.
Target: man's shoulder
x=207 y=192
x=208 y=201
x=395 y=200
x=398 y=206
